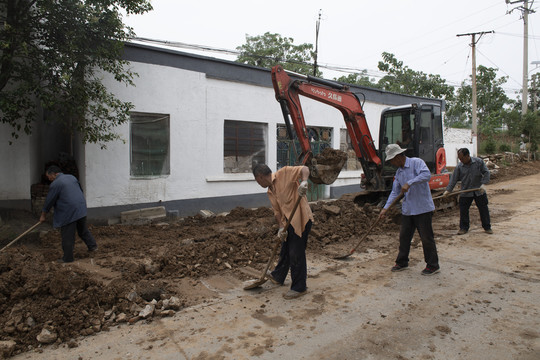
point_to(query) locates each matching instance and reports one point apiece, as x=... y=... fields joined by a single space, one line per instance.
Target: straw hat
x=392 y=150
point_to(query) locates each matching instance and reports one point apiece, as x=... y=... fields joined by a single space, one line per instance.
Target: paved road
x=483 y=304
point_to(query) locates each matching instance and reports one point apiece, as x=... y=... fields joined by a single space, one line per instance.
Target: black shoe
x=462 y=232
x=93 y=249
x=397 y=267
x=488 y=231
x=430 y=271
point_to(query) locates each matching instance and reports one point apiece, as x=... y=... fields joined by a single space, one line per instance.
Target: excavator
x=416 y=127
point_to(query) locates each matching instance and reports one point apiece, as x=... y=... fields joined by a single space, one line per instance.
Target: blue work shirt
x=418 y=199
x=66 y=196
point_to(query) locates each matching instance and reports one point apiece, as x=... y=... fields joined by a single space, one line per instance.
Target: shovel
x=20 y=236
x=262 y=279
x=456 y=193
x=341 y=257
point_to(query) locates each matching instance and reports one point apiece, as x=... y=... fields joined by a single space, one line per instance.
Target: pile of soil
x=145 y=271
x=515 y=170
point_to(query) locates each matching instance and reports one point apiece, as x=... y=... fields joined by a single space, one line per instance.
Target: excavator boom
x=326 y=167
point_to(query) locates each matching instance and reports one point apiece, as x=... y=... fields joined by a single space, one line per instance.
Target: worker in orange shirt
x=284 y=186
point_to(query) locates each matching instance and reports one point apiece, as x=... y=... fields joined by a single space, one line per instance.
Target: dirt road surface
x=482 y=305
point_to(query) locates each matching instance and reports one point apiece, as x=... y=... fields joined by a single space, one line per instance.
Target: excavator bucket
x=325 y=167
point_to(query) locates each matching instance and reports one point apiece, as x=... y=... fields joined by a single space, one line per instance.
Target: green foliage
x=505 y=148
x=490 y=147
x=492 y=102
x=361 y=79
x=528 y=126
x=401 y=79
x=54 y=54
x=272 y=49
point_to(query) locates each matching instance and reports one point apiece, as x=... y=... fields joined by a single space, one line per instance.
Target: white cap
x=392 y=150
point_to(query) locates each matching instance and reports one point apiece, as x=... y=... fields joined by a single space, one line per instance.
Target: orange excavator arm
x=288 y=91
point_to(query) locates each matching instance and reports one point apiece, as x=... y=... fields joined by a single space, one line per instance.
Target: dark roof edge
x=237 y=72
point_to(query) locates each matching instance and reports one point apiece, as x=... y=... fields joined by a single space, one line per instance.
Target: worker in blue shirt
x=66 y=196
x=412 y=179
x=473 y=174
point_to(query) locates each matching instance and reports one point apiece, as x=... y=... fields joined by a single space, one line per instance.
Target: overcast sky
x=353 y=34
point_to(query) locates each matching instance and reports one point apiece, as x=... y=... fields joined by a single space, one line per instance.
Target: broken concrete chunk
x=121 y=318
x=150 y=267
x=46 y=336
x=173 y=303
x=206 y=213
x=149 y=214
x=132 y=296
x=165 y=313
x=6 y=348
x=147 y=311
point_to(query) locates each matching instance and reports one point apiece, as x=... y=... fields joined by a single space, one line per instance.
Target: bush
x=504 y=148
x=490 y=147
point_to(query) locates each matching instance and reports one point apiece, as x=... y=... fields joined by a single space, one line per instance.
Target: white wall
x=455 y=139
x=16 y=175
x=197 y=106
x=182 y=95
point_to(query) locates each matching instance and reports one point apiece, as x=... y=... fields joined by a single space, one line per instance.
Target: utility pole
x=474 y=111
x=534 y=91
x=317 y=26
x=525 y=14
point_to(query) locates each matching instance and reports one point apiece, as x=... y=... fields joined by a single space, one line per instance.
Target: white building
x=182 y=148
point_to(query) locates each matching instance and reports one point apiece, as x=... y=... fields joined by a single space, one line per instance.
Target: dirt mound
x=515 y=170
x=145 y=271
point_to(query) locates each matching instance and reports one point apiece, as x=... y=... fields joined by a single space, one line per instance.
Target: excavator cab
x=417 y=128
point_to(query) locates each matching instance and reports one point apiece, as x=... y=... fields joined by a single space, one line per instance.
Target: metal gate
x=288 y=152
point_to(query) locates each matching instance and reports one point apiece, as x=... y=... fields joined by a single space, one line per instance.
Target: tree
x=492 y=101
x=401 y=79
x=528 y=126
x=272 y=49
x=361 y=79
x=53 y=55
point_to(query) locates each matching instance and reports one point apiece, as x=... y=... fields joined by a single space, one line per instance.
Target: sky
x=353 y=34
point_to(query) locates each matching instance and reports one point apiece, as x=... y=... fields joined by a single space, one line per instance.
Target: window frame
x=252 y=142
x=152 y=117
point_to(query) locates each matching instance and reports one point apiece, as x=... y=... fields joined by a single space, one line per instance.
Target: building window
x=150 y=145
x=244 y=143
x=288 y=151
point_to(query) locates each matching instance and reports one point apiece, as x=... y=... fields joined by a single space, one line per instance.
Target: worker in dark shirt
x=66 y=196
x=473 y=173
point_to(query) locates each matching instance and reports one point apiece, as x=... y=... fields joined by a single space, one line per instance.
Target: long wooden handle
x=20 y=236
x=456 y=193
x=276 y=246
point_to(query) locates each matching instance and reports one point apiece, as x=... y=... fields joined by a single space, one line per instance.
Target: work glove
x=446 y=193
x=282 y=234
x=302 y=189
x=482 y=189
